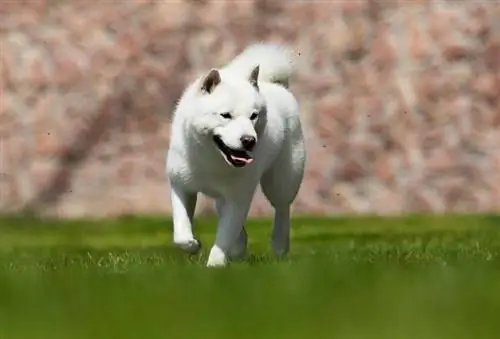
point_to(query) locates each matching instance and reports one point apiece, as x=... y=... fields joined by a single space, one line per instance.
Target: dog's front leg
x=232 y=215
x=238 y=249
x=183 y=206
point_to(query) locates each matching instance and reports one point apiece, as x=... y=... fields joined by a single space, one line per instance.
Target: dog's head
x=230 y=113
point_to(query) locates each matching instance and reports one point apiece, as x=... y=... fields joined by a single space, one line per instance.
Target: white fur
x=276 y=62
x=196 y=165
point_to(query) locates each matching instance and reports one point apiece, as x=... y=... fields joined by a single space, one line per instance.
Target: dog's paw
x=191 y=245
x=280 y=248
x=217 y=258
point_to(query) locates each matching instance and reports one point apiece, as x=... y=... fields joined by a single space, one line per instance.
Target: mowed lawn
x=425 y=277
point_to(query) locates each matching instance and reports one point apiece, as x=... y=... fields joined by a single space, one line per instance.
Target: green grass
x=425 y=277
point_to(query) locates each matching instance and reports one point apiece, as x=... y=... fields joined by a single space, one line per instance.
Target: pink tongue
x=245 y=160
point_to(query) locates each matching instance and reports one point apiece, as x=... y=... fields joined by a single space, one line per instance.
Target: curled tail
x=276 y=63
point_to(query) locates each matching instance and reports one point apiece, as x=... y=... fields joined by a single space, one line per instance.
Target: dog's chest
x=222 y=183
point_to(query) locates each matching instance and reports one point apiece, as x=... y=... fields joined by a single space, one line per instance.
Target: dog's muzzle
x=234 y=157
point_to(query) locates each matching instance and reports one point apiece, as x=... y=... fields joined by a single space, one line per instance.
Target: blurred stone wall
x=400 y=100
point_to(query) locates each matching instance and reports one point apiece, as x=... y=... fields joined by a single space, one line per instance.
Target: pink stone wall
x=400 y=100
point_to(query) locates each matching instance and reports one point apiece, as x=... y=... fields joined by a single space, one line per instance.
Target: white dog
x=234 y=128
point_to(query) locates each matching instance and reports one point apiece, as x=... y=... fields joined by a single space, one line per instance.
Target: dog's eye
x=226 y=115
x=254 y=116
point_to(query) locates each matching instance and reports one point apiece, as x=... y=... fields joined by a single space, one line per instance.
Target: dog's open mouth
x=234 y=157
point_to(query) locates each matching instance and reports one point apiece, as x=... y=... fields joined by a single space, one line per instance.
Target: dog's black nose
x=248 y=142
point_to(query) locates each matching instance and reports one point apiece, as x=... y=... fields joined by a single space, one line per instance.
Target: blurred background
x=400 y=100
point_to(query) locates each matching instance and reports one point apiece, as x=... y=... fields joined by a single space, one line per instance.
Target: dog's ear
x=254 y=76
x=211 y=80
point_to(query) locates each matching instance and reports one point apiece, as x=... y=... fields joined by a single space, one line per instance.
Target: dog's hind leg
x=280 y=239
x=280 y=184
x=183 y=206
x=238 y=250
